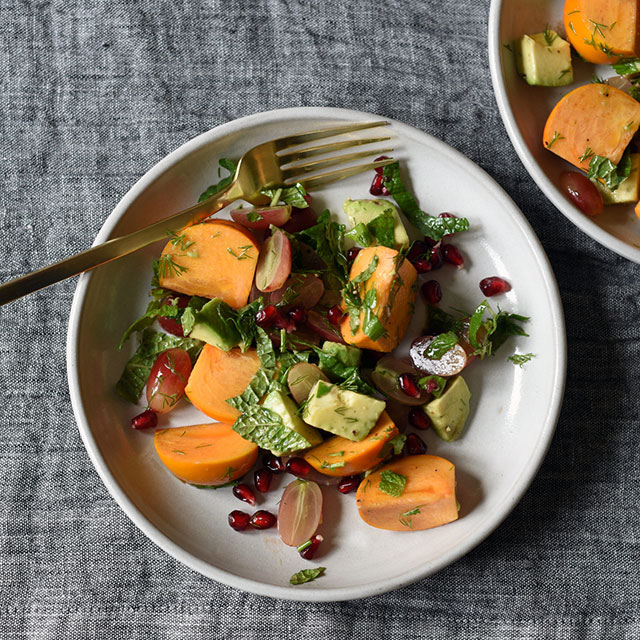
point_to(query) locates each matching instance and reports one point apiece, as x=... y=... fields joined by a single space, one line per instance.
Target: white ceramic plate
x=525 y=109
x=514 y=410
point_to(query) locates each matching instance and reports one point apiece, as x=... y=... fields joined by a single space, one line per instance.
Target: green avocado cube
x=628 y=190
x=341 y=412
x=366 y=211
x=450 y=411
x=281 y=404
x=347 y=355
x=214 y=325
x=544 y=59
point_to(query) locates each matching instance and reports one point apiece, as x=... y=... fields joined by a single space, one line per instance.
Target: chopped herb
x=202 y=446
x=556 y=136
x=382 y=229
x=295 y=196
x=564 y=72
x=574 y=11
x=254 y=216
x=405 y=518
x=549 y=36
x=336 y=454
x=168 y=268
x=322 y=390
x=440 y=345
x=231 y=167
x=182 y=453
x=572 y=27
x=588 y=152
x=601 y=168
x=306 y=575
x=427 y=224
x=508 y=47
x=521 y=358
x=627 y=66
x=243 y=253
x=180 y=240
x=628 y=125
x=439 y=380
x=334 y=465
x=392 y=483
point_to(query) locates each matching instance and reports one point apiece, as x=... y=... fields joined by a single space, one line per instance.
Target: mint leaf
x=154 y=309
x=427 y=224
x=152 y=344
x=253 y=216
x=439 y=380
x=188 y=318
x=627 y=66
x=397 y=443
x=521 y=358
x=392 y=483
x=231 y=167
x=601 y=168
x=383 y=229
x=306 y=575
x=440 y=345
x=295 y=195
x=360 y=235
x=265 y=428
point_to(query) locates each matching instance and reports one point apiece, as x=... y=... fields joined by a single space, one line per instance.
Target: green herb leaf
x=137 y=370
x=154 y=309
x=397 y=443
x=361 y=235
x=440 y=345
x=627 y=66
x=427 y=224
x=189 y=313
x=253 y=216
x=405 y=518
x=383 y=229
x=307 y=575
x=265 y=428
x=295 y=195
x=439 y=380
x=612 y=175
x=521 y=358
x=231 y=167
x=392 y=483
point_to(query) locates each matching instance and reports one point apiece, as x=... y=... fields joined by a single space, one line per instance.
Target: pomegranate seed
x=431 y=291
x=262 y=520
x=348 y=484
x=262 y=479
x=244 y=492
x=446 y=215
x=418 y=250
x=435 y=258
x=239 y=520
x=582 y=192
x=273 y=463
x=335 y=315
x=414 y=446
x=298 y=467
x=309 y=548
x=379 y=170
x=430 y=386
x=376 y=186
x=418 y=419
x=422 y=265
x=298 y=315
x=145 y=420
x=452 y=255
x=408 y=385
x=352 y=253
x=493 y=286
x=267 y=316
x=430 y=242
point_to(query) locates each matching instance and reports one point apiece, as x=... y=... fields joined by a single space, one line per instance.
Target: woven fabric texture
x=92 y=94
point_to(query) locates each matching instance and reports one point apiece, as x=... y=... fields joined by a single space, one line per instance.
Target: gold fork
x=269 y=164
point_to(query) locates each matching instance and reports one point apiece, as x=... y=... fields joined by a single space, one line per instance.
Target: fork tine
x=314 y=165
x=294 y=156
x=332 y=176
x=301 y=138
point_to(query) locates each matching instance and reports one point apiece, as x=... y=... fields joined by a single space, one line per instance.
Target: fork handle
x=112 y=249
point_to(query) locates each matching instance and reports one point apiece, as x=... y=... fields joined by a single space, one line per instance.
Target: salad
x=283 y=326
x=593 y=127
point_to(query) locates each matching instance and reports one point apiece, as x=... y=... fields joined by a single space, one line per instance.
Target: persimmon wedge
x=602 y=31
x=205 y=454
x=215 y=259
x=427 y=500
x=594 y=119
x=218 y=376
x=338 y=456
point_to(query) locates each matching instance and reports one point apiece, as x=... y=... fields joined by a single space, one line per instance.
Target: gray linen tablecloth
x=95 y=92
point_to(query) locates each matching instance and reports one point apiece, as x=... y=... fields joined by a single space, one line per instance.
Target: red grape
x=582 y=192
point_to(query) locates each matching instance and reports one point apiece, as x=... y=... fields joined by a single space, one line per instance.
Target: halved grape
x=450 y=364
x=301 y=378
x=262 y=217
x=274 y=264
x=385 y=377
x=304 y=290
x=321 y=325
x=167 y=379
x=582 y=192
x=300 y=512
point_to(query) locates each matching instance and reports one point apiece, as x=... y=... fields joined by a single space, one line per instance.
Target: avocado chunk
x=544 y=59
x=628 y=190
x=281 y=404
x=214 y=325
x=344 y=413
x=450 y=411
x=346 y=355
x=366 y=211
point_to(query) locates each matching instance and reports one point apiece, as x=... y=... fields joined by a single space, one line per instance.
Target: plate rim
x=557 y=198
x=313 y=593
